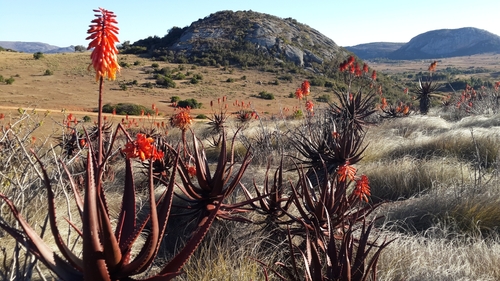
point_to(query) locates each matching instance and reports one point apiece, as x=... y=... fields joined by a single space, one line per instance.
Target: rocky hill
x=374 y=50
x=245 y=37
x=33 y=47
x=442 y=43
x=445 y=43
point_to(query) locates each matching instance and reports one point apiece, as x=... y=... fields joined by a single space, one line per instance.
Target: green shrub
x=9 y=81
x=1 y=79
x=38 y=55
x=165 y=81
x=201 y=116
x=324 y=98
x=298 y=114
x=230 y=80
x=148 y=85
x=194 y=80
x=126 y=109
x=123 y=86
x=48 y=72
x=265 y=95
x=175 y=99
x=137 y=62
x=86 y=118
x=179 y=76
x=124 y=64
x=198 y=76
x=192 y=103
x=155 y=65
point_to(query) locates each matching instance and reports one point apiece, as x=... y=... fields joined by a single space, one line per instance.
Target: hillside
x=244 y=38
x=33 y=47
x=374 y=50
x=443 y=43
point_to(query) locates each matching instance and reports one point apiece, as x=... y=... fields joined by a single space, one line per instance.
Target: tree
x=80 y=48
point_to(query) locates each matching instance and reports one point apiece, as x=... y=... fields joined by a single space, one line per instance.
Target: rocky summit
x=280 y=38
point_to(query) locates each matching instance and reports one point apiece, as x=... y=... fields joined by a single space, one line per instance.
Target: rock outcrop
x=281 y=38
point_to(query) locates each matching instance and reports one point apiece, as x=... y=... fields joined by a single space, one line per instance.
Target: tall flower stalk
x=103 y=33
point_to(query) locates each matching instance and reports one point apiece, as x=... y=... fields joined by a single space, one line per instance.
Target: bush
x=38 y=55
x=265 y=95
x=324 y=98
x=1 y=79
x=124 y=64
x=9 y=81
x=175 y=99
x=194 y=80
x=179 y=76
x=201 y=116
x=165 y=81
x=126 y=109
x=191 y=103
x=86 y=118
x=230 y=80
x=48 y=72
x=137 y=62
x=155 y=65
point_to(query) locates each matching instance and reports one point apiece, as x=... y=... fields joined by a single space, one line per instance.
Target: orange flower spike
x=374 y=75
x=309 y=106
x=299 y=94
x=103 y=33
x=2 y=116
x=306 y=88
x=433 y=66
x=362 y=189
x=192 y=171
x=346 y=171
x=365 y=68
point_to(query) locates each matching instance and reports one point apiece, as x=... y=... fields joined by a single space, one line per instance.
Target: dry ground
x=490 y=62
x=73 y=88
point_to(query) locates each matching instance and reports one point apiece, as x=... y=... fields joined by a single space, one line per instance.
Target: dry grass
x=440 y=178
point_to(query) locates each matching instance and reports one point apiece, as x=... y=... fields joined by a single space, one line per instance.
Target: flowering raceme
x=103 y=31
x=362 y=189
x=182 y=120
x=143 y=148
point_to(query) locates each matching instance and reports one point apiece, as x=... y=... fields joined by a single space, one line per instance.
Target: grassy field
x=438 y=177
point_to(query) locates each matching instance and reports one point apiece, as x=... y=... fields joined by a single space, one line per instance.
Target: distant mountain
x=374 y=50
x=448 y=43
x=440 y=43
x=246 y=38
x=33 y=47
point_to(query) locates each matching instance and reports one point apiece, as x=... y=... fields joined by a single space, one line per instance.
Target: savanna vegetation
x=360 y=186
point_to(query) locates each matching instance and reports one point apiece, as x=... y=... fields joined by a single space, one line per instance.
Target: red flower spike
x=299 y=94
x=346 y=171
x=362 y=189
x=103 y=33
x=182 y=119
x=374 y=75
x=306 y=88
x=365 y=68
x=309 y=106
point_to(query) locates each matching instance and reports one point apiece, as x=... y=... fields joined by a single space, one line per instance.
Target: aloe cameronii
x=106 y=253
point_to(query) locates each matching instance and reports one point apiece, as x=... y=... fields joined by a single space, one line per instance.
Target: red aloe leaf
x=164 y=211
x=37 y=246
x=148 y=251
x=94 y=264
x=127 y=218
x=176 y=264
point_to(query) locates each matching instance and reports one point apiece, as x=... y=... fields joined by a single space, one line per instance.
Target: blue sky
x=64 y=23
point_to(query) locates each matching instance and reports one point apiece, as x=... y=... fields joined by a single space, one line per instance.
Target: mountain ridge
x=33 y=47
x=434 y=44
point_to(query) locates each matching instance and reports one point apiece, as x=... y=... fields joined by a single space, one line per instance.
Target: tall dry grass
x=439 y=180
